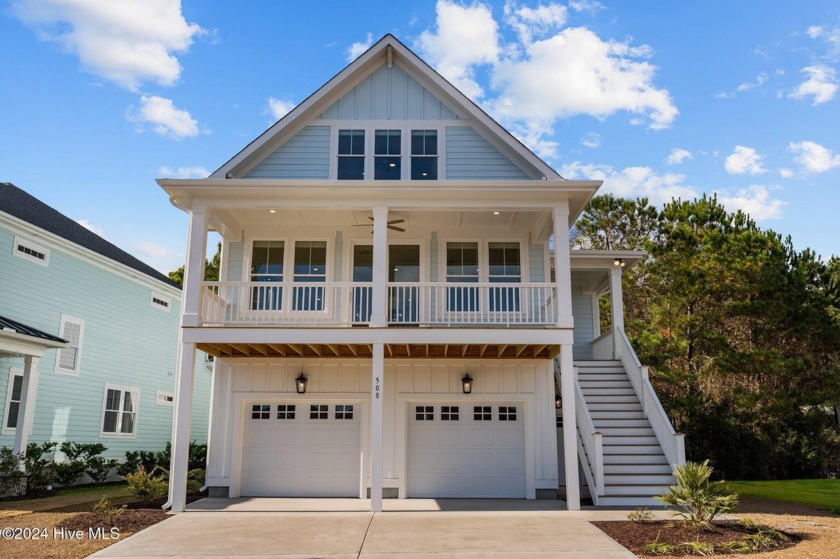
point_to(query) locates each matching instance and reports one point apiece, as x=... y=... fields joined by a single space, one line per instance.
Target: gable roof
x=26 y=207
x=14 y=327
x=389 y=48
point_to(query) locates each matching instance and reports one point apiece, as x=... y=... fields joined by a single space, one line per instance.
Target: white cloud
x=760 y=80
x=166 y=119
x=591 y=140
x=355 y=50
x=755 y=201
x=821 y=84
x=184 y=172
x=591 y=6
x=814 y=157
x=633 y=182
x=90 y=226
x=815 y=31
x=786 y=173
x=155 y=250
x=744 y=160
x=126 y=42
x=678 y=155
x=279 y=107
x=466 y=36
x=531 y=22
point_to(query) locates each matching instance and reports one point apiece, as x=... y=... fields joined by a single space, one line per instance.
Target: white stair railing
x=673 y=443
x=589 y=442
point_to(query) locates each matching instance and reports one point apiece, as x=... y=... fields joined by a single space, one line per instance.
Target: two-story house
x=393 y=316
x=88 y=337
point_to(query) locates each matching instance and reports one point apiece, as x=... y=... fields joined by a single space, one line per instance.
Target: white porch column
x=616 y=305
x=376 y=395
x=26 y=408
x=570 y=437
x=378 y=310
x=194 y=268
x=562 y=265
x=181 y=429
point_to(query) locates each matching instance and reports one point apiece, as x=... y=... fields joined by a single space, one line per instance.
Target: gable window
x=387 y=163
x=310 y=267
x=267 y=268
x=119 y=416
x=13 y=393
x=424 y=155
x=462 y=267
x=30 y=251
x=164 y=398
x=69 y=358
x=504 y=267
x=351 y=155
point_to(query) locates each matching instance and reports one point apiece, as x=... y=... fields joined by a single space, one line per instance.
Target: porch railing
x=349 y=303
x=603 y=347
x=673 y=443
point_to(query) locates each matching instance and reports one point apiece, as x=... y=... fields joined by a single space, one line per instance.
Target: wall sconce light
x=300 y=383
x=466 y=383
x=619 y=262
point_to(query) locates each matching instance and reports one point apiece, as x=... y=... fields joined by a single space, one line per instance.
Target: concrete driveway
x=268 y=528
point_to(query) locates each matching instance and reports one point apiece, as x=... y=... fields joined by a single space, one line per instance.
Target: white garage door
x=457 y=450
x=301 y=450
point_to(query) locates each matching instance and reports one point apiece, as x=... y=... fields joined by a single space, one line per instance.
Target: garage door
x=455 y=450
x=301 y=450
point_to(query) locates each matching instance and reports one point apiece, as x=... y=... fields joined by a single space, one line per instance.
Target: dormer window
x=351 y=155
x=424 y=155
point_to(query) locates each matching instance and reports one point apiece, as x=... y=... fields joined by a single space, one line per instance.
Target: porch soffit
x=395 y=351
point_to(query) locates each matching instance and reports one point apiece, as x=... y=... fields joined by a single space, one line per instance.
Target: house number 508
x=376 y=388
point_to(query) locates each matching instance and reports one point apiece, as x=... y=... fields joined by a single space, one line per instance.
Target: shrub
x=40 y=471
x=640 y=515
x=11 y=476
x=66 y=473
x=130 y=464
x=108 y=513
x=195 y=480
x=699 y=499
x=703 y=549
x=147 y=485
x=99 y=468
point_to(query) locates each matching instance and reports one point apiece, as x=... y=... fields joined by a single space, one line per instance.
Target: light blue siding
x=389 y=95
x=582 y=313
x=233 y=261
x=304 y=156
x=469 y=156
x=126 y=342
x=536 y=263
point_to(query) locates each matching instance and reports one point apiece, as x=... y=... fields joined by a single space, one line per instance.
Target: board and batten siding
x=127 y=342
x=306 y=155
x=470 y=156
x=389 y=94
x=582 y=313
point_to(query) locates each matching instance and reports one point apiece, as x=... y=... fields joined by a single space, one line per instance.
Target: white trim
x=159 y=301
x=78 y=347
x=122 y=389
x=32 y=248
x=165 y=398
x=13 y=372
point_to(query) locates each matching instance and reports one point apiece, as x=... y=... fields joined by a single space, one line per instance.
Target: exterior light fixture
x=466 y=383
x=300 y=383
x=619 y=262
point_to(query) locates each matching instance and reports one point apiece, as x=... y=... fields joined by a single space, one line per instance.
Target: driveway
x=266 y=528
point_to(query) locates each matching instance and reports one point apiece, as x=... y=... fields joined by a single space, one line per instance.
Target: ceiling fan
x=391 y=225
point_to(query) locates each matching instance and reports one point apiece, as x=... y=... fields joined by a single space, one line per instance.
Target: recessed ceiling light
x=272 y=211
x=392 y=164
x=495 y=213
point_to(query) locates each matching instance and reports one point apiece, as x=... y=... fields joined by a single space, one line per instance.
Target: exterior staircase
x=635 y=467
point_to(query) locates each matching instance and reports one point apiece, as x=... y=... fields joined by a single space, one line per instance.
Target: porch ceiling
x=448 y=351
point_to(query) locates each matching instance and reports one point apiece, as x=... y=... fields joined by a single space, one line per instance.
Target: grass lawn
x=822 y=493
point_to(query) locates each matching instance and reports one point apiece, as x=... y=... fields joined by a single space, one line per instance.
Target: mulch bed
x=636 y=535
x=131 y=520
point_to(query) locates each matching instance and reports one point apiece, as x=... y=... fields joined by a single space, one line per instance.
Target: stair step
x=586 y=384
x=624 y=469
x=615 y=414
x=627 y=440
x=599 y=363
x=599 y=391
x=611 y=490
x=657 y=459
x=644 y=449
x=610 y=406
x=626 y=433
x=611 y=399
x=633 y=480
x=628 y=501
x=622 y=422
x=602 y=376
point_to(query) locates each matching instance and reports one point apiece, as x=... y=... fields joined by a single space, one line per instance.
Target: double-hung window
x=504 y=266
x=424 y=155
x=310 y=268
x=119 y=416
x=462 y=267
x=68 y=360
x=267 y=270
x=13 y=394
x=351 y=155
x=387 y=160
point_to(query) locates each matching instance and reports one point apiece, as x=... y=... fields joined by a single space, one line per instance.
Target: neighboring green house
x=113 y=381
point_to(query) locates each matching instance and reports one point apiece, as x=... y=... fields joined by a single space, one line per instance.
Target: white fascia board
x=17 y=343
x=603 y=259
x=437 y=336
x=88 y=255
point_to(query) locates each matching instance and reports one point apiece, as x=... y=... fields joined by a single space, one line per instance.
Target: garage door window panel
x=286 y=411
x=319 y=411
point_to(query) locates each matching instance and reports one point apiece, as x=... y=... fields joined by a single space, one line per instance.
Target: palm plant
x=698 y=499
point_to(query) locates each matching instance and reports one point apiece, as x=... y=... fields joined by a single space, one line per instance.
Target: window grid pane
x=507 y=413
x=344 y=411
x=286 y=411
x=424 y=151
x=351 y=154
x=424 y=413
x=261 y=411
x=482 y=413
x=319 y=411
x=449 y=413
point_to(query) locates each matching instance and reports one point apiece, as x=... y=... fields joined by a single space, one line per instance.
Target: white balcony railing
x=346 y=303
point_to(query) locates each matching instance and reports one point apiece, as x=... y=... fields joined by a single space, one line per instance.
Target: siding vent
x=160 y=302
x=165 y=398
x=31 y=251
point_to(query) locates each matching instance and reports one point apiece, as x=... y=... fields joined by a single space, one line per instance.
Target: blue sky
x=657 y=99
